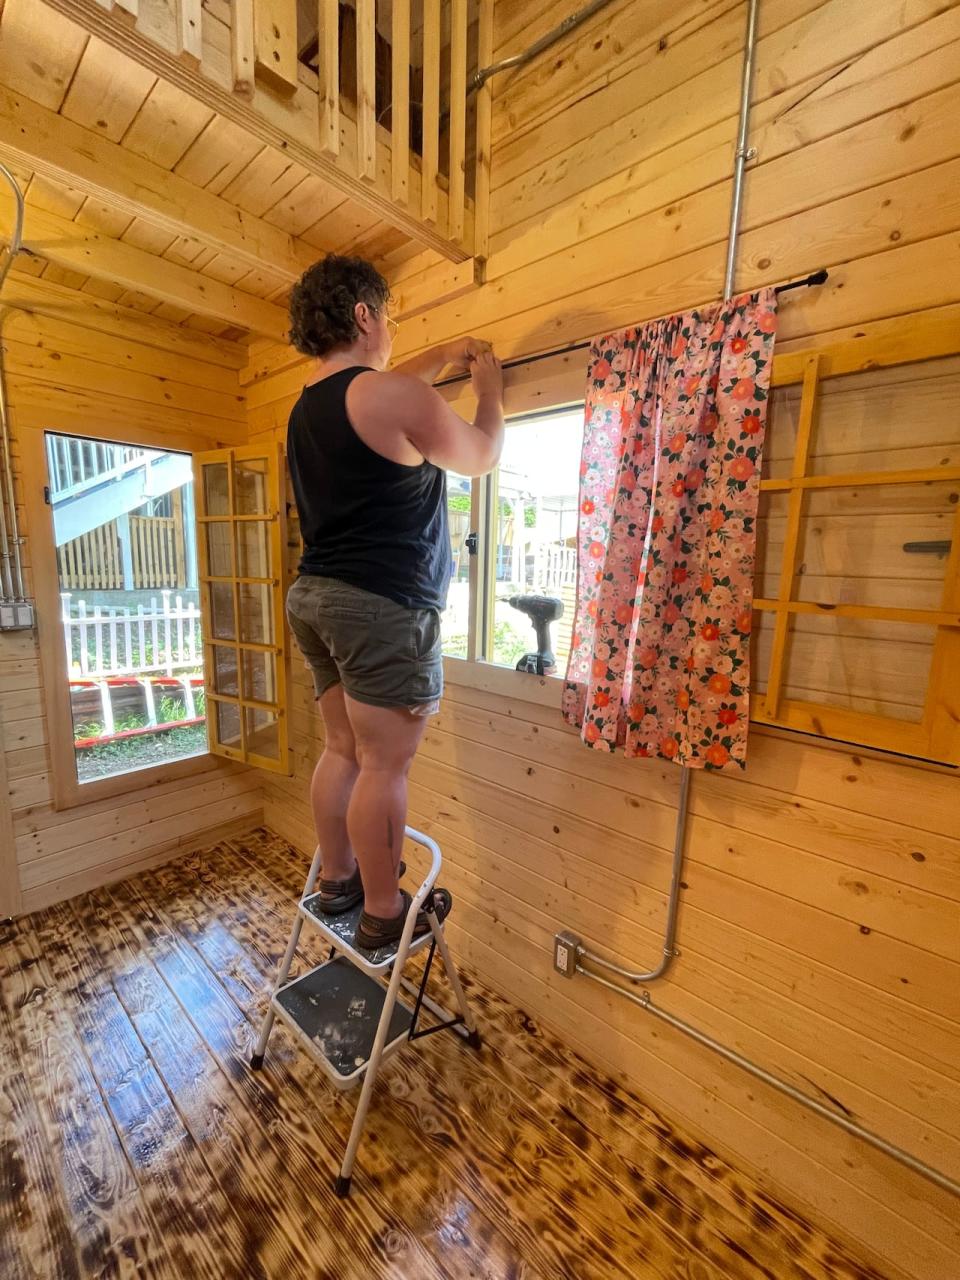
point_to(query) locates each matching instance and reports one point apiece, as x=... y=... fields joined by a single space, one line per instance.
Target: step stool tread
x=341 y=930
x=337 y=1008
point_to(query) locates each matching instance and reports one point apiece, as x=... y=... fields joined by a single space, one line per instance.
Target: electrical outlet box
x=17 y=615
x=566 y=948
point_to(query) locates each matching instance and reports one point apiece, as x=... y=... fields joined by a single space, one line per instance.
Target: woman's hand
x=487 y=375
x=462 y=352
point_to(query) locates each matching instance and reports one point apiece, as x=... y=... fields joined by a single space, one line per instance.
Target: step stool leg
x=342 y=1184
x=256 y=1058
x=472 y=1036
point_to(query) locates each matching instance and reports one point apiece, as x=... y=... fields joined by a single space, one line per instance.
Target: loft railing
x=389 y=86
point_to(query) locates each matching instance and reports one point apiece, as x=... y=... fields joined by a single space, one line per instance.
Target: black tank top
x=370 y=522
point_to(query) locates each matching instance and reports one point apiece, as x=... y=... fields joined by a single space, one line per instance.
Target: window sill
x=543 y=690
x=69 y=793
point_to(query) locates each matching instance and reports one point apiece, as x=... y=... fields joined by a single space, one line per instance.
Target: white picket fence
x=554 y=567
x=109 y=640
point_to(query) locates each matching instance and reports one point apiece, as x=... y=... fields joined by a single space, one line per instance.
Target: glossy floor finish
x=136 y=1141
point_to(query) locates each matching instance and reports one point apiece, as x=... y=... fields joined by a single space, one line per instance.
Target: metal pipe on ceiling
x=480 y=77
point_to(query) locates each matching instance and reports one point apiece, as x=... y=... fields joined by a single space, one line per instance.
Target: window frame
x=935 y=739
x=272 y=453
x=67 y=791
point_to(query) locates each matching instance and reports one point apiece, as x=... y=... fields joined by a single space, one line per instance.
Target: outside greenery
x=135 y=753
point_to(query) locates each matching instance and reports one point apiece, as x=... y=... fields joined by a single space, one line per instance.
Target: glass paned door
x=240 y=538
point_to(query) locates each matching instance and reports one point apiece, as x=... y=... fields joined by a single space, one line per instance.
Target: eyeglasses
x=393 y=324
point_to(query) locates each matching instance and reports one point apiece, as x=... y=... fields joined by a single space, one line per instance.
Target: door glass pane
x=221 y=610
x=251 y=494
x=228 y=724
x=225 y=671
x=123 y=526
x=219 y=557
x=263 y=732
x=455 y=621
x=216 y=491
x=259 y=676
x=253 y=548
x=536 y=525
x=256 y=613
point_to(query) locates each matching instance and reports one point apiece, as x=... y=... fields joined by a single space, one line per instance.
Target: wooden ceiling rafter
x=40 y=139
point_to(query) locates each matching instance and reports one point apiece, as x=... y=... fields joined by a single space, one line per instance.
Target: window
x=535 y=551
x=857 y=620
x=129 y=607
x=456 y=619
x=524 y=519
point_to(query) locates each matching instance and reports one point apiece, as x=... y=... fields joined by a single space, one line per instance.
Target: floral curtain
x=669 y=485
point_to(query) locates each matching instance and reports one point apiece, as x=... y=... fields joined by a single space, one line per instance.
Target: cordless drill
x=541 y=610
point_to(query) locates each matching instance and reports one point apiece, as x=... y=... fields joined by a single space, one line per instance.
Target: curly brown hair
x=322 y=302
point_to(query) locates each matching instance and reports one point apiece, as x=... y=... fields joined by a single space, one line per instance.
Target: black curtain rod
x=818 y=277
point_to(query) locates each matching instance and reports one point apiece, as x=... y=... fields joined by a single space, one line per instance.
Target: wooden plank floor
x=136 y=1142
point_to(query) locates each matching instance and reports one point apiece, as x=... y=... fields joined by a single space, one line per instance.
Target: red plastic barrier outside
x=81 y=743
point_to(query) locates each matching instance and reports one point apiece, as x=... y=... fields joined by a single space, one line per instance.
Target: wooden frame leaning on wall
x=935 y=735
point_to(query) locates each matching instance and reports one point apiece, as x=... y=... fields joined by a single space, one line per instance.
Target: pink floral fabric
x=670 y=480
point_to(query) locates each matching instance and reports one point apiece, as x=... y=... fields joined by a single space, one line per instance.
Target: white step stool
x=344 y=1013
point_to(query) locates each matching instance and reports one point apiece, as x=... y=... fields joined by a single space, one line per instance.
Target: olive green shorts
x=382 y=653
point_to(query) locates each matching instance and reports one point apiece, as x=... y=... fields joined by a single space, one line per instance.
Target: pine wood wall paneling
x=68 y=376
x=809 y=880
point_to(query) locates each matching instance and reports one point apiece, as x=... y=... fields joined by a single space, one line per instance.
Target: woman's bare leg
x=386 y=741
x=332 y=785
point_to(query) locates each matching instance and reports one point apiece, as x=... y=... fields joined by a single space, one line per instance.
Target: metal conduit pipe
x=673 y=902
x=11 y=566
x=783 y=1086
x=743 y=153
x=481 y=77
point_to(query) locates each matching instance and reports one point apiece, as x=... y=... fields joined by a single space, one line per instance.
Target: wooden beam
x=328 y=66
x=791 y=546
x=481 y=229
x=857 y=479
x=429 y=288
x=431 y=109
x=242 y=57
x=458 y=115
x=864 y=612
x=367 y=89
x=128 y=9
x=275 y=44
x=42 y=298
x=291 y=126
x=400 y=101
x=55 y=147
x=56 y=239
x=190 y=31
